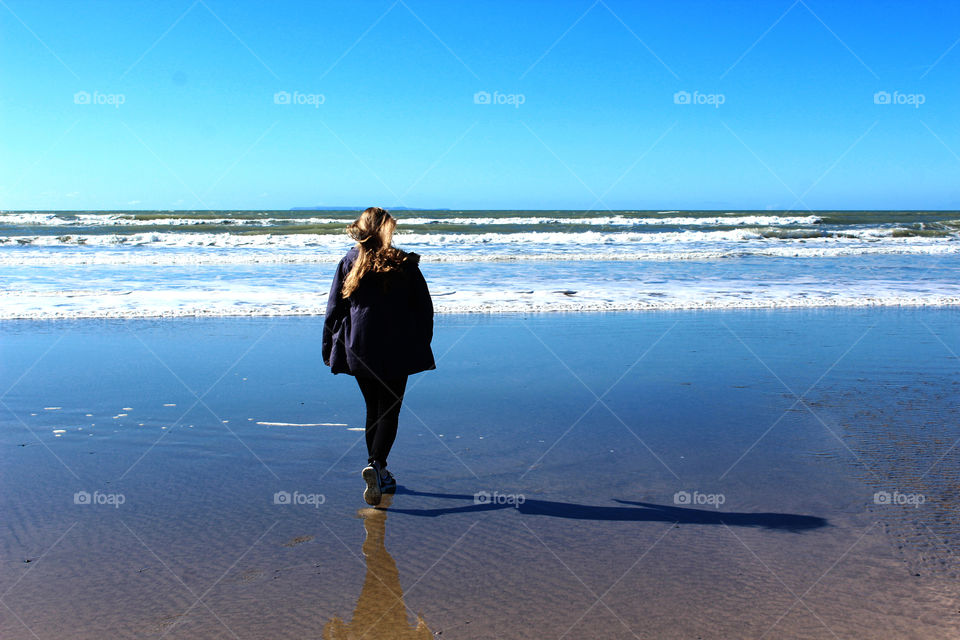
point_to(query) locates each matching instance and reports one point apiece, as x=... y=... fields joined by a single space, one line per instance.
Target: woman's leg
x=370 y=389
x=391 y=400
x=384 y=399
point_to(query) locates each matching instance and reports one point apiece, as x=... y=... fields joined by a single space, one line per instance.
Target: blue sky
x=181 y=104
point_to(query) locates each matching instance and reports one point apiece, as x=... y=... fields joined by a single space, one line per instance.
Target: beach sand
x=707 y=474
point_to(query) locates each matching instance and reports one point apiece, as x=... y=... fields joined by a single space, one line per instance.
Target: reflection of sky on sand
x=599 y=509
x=380 y=610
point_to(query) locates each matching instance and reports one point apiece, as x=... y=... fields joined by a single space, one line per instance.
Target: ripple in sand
x=298 y=540
x=169 y=622
x=248 y=576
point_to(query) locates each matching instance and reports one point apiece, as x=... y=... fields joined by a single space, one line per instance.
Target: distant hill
x=362 y=208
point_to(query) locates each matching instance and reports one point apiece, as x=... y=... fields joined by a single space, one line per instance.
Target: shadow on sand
x=638 y=512
x=381 y=612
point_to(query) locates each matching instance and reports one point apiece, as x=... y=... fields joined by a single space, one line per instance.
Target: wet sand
x=652 y=475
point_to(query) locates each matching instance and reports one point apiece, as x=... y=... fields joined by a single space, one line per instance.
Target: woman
x=378 y=328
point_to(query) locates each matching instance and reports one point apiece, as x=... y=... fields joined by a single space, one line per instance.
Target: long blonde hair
x=373 y=231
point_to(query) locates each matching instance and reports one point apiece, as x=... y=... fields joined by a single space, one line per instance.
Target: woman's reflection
x=380 y=611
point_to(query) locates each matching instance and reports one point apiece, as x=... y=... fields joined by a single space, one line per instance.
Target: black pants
x=383 y=399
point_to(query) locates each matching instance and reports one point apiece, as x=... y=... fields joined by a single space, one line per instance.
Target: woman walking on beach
x=378 y=328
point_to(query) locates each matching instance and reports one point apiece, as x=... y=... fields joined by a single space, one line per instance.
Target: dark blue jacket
x=384 y=328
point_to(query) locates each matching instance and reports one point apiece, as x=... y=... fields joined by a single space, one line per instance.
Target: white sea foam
x=751 y=263
x=37 y=310
x=121 y=220
x=621 y=220
x=227 y=249
x=213 y=259
x=509 y=294
x=127 y=219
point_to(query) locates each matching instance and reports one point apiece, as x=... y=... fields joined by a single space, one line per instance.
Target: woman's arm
x=422 y=305
x=336 y=308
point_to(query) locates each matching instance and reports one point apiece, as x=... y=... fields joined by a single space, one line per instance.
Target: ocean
x=87 y=264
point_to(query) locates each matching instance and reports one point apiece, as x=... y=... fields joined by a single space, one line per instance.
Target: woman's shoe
x=371 y=475
x=388 y=484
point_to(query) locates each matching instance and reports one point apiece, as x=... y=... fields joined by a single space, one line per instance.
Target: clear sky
x=180 y=104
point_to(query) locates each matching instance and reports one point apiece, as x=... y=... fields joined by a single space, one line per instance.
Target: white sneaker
x=371 y=475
